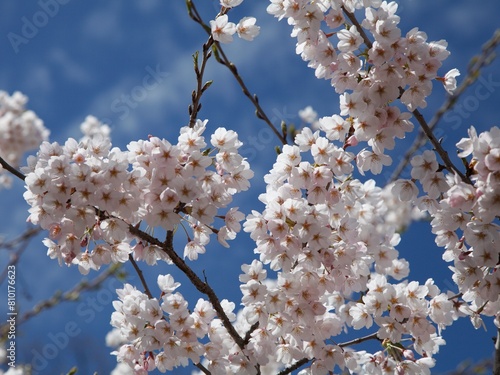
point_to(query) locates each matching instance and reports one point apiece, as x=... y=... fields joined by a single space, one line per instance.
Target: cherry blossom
x=327 y=256
x=20 y=131
x=222 y=29
x=95 y=197
x=247 y=29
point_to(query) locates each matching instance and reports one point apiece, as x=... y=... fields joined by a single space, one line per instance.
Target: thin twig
x=202 y=287
x=11 y=169
x=438 y=147
x=303 y=361
x=416 y=113
x=195 y=107
x=459 y=295
x=12 y=244
x=360 y=29
x=70 y=295
x=21 y=244
x=473 y=72
x=196 y=95
x=141 y=276
x=295 y=366
x=222 y=58
x=203 y=368
x=359 y=340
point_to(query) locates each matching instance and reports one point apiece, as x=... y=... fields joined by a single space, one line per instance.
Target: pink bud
x=351 y=141
x=84 y=242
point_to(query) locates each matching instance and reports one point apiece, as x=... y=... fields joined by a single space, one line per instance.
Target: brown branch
x=70 y=295
x=248 y=335
x=22 y=242
x=11 y=169
x=303 y=361
x=459 y=295
x=473 y=72
x=295 y=366
x=141 y=276
x=203 y=368
x=195 y=107
x=360 y=29
x=437 y=146
x=201 y=286
x=259 y=112
x=416 y=113
x=359 y=340
x=196 y=95
x=222 y=58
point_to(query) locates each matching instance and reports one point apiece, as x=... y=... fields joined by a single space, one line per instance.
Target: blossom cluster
x=223 y=30
x=330 y=237
x=163 y=333
x=20 y=131
x=371 y=65
x=465 y=219
x=88 y=194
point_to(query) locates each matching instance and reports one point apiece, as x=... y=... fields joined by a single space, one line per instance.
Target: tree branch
x=195 y=107
x=22 y=242
x=473 y=72
x=437 y=146
x=70 y=295
x=359 y=340
x=203 y=368
x=360 y=29
x=303 y=361
x=141 y=276
x=295 y=366
x=221 y=57
x=201 y=286
x=248 y=335
x=11 y=169
x=259 y=112
x=416 y=113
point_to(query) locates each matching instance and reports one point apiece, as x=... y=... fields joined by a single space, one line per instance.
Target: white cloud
x=141 y=97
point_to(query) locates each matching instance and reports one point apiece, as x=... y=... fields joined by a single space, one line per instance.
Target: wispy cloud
x=38 y=79
x=71 y=70
x=147 y=6
x=103 y=24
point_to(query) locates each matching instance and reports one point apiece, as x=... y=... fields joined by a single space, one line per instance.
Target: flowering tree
x=326 y=241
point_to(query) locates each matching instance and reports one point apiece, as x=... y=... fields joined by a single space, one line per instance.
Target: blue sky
x=89 y=56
